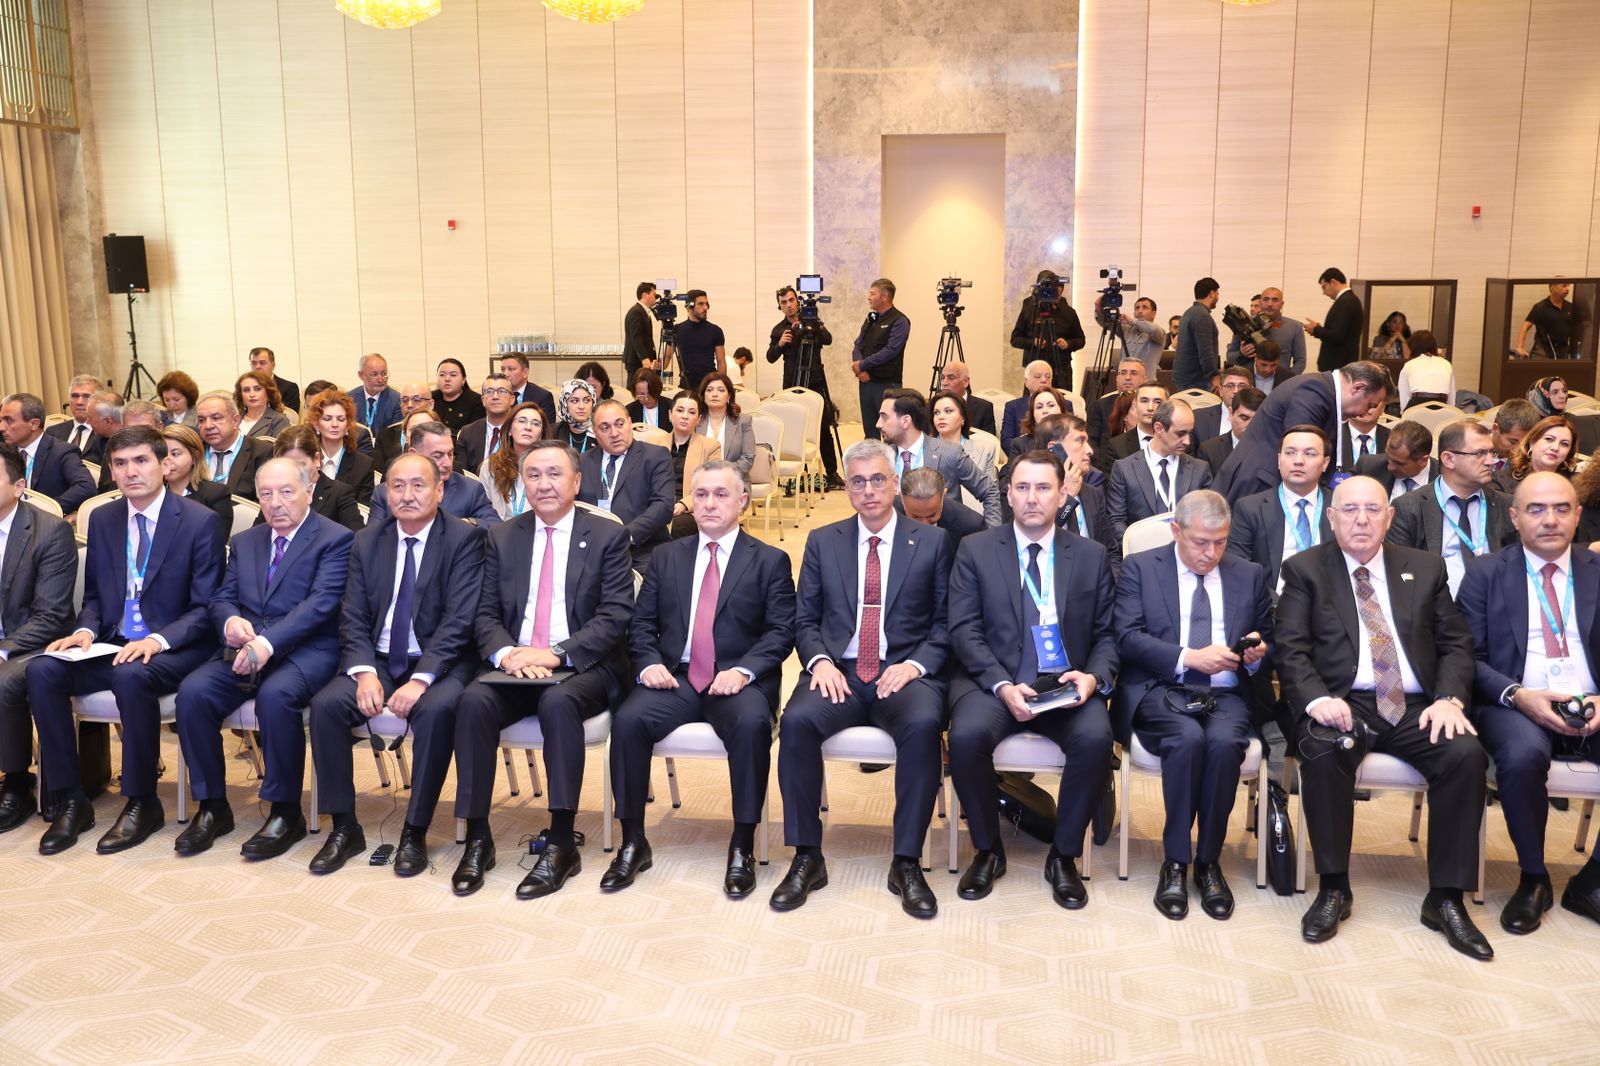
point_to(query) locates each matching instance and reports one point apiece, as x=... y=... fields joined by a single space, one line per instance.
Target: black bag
x=1279 y=841
x=94 y=765
x=1027 y=806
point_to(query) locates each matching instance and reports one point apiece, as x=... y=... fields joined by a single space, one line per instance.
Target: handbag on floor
x=1279 y=841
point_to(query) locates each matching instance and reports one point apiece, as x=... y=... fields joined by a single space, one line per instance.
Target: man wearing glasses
x=1458 y=515
x=481 y=439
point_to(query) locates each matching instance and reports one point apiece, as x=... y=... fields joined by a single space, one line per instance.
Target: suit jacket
x=701 y=450
x=288 y=392
x=298 y=612
x=1208 y=424
x=59 y=473
x=1494 y=600
x=457 y=413
x=444 y=611
x=986 y=601
x=37 y=574
x=215 y=496
x=638 y=338
x=1011 y=419
x=387 y=446
x=642 y=497
x=1098 y=417
x=472 y=444
x=958 y=471
x=599 y=593
x=1132 y=493
x=914 y=595
x=355 y=470
x=960 y=521
x=738 y=441
x=1308 y=399
x=1318 y=628
x=1377 y=468
x=981 y=412
x=1341 y=334
x=1092 y=502
x=1118 y=447
x=464 y=498
x=1215 y=451
x=1149 y=623
x=531 y=393
x=332 y=500
x=636 y=414
x=94 y=445
x=270 y=425
x=251 y=453
x=180 y=578
x=1257 y=531
x=1347 y=446
x=753 y=628
x=388 y=408
x=1419 y=523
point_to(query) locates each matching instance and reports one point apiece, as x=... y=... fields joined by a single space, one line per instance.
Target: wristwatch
x=560 y=650
x=1509 y=696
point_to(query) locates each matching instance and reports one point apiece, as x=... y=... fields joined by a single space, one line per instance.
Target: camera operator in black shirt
x=785 y=344
x=1059 y=320
x=701 y=347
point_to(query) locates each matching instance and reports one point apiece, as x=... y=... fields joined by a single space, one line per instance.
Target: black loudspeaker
x=125 y=265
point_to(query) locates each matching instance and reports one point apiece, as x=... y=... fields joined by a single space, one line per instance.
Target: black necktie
x=1199 y=630
x=1166 y=485
x=79 y=434
x=609 y=481
x=1465 y=522
x=404 y=607
x=1029 y=669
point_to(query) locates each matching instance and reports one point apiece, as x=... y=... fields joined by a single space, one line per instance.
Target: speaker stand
x=134 y=386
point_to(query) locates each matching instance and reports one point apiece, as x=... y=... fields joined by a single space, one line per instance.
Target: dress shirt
x=80 y=435
x=330 y=464
x=151 y=513
x=1187 y=580
x=702 y=559
x=1427 y=373
x=1419 y=480
x=915 y=448
x=1356 y=438
x=719 y=431
x=1533 y=670
x=885 y=551
x=606 y=459
x=558 y=586
x=1265 y=384
x=5 y=537
x=1047 y=574
x=29 y=453
x=1291 y=547
x=1153 y=459
x=413 y=647
x=368 y=409
x=1455 y=564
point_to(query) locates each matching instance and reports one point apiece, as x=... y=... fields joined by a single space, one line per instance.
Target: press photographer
x=1047 y=328
x=798 y=339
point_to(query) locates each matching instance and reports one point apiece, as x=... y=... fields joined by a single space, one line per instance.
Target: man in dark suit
x=1181 y=609
x=149 y=573
x=922 y=499
x=1422 y=521
x=263 y=361
x=277 y=613
x=903 y=424
x=463 y=497
x=1035 y=376
x=1532 y=608
x=1030 y=604
x=1360 y=437
x=1367 y=633
x=1197 y=359
x=956 y=378
x=406 y=639
x=389 y=444
x=1319 y=400
x=514 y=367
x=1242 y=409
x=1130 y=375
x=1083 y=510
x=638 y=336
x=1152 y=481
x=232 y=458
x=870 y=630
x=557 y=597
x=376 y=403
x=1147 y=399
x=76 y=430
x=1406 y=463
x=713 y=625
x=1268 y=370
x=1269 y=527
x=480 y=439
x=1208 y=421
x=38 y=566
x=53 y=467
x=1341 y=334
x=631 y=479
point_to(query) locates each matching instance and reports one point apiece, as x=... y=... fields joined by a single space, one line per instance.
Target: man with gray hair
x=52 y=467
x=231 y=456
x=1193 y=625
x=377 y=404
x=75 y=431
x=105 y=413
x=134 y=413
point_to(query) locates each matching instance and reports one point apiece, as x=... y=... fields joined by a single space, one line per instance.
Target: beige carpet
x=145 y=958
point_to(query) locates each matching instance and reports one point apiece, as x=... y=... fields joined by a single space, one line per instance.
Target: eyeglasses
x=1353 y=510
x=1539 y=510
x=530 y=423
x=1480 y=455
x=497 y=391
x=877 y=481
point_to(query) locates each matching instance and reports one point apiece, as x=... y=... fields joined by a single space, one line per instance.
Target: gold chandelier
x=388 y=14
x=594 y=10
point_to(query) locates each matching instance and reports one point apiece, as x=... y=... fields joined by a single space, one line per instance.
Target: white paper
x=78 y=655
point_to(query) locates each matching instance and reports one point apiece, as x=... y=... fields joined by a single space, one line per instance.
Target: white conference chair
x=102 y=707
x=94 y=470
x=1023 y=753
x=1198 y=398
x=1435 y=416
x=697 y=740
x=244 y=719
x=77 y=587
x=764 y=488
x=769 y=430
x=1073 y=398
x=1137 y=759
x=815 y=405
x=651 y=435
x=47 y=504
x=869 y=744
x=798 y=457
x=528 y=735
x=245 y=513
x=998 y=397
x=1147 y=533
x=747 y=399
x=1567 y=779
x=87 y=507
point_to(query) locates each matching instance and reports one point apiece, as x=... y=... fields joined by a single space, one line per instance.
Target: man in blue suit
x=406 y=633
x=54 y=468
x=631 y=479
x=149 y=573
x=463 y=496
x=1180 y=611
x=1534 y=610
x=377 y=405
x=1035 y=376
x=277 y=612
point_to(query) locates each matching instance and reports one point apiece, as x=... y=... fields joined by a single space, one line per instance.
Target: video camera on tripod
x=950 y=299
x=666 y=308
x=1111 y=295
x=1247 y=328
x=808 y=292
x=1046 y=292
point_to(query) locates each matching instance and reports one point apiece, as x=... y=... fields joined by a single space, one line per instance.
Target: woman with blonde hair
x=185 y=471
x=331 y=414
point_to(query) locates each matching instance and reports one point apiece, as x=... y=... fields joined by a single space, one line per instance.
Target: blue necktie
x=1407 y=484
x=279 y=545
x=372 y=411
x=141 y=557
x=400 y=627
x=1302 y=525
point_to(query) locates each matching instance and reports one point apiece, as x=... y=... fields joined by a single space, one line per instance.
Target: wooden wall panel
x=782 y=168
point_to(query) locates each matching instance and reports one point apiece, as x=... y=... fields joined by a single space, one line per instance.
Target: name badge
x=1561 y=675
x=1339 y=478
x=1047 y=645
x=604 y=505
x=134 y=626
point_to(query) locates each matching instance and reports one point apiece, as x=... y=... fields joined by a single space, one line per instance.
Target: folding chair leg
x=511 y=771
x=461 y=830
x=403 y=767
x=952 y=831
x=939 y=801
x=1483 y=840
x=534 y=781
x=1260 y=792
x=606 y=800
x=1416 y=816
x=314 y=819
x=183 y=790
x=761 y=834
x=1088 y=851
x=1582 y=842
x=1125 y=773
x=672 y=784
x=255 y=754
x=1300 y=845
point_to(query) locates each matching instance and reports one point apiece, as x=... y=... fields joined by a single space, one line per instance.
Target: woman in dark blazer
x=186 y=474
x=332 y=418
x=329 y=498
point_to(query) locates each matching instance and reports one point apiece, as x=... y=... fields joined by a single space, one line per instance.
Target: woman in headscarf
x=1549 y=395
x=576 y=410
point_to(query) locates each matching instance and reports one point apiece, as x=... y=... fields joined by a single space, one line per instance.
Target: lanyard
x=136 y=568
x=1477 y=547
x=1557 y=624
x=1047 y=564
x=1315 y=519
x=519 y=498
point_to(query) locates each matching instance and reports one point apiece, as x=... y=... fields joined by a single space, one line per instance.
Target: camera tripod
x=1098 y=375
x=1044 y=345
x=667 y=348
x=134 y=385
x=949 y=348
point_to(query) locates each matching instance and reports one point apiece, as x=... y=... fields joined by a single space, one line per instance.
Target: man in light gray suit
x=903 y=424
x=1152 y=480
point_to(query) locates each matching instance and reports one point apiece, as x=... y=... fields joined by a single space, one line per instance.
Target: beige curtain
x=35 y=338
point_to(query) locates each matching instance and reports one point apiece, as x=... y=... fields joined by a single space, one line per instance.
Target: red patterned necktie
x=1387 y=680
x=867 y=662
x=702 y=646
x=1555 y=644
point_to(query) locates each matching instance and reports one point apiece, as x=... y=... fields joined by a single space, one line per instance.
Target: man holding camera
x=701 y=346
x=1287 y=334
x=878 y=357
x=1142 y=339
x=1533 y=675
x=1047 y=328
x=785 y=343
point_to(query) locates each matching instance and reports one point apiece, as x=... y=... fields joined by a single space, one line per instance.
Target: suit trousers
x=214 y=691
x=1454 y=770
x=914 y=717
x=431 y=723
x=16 y=724
x=979 y=722
x=1522 y=751
x=743 y=722
x=1200 y=759
x=138 y=688
x=485 y=710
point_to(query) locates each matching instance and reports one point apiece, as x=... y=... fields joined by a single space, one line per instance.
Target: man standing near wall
x=878 y=358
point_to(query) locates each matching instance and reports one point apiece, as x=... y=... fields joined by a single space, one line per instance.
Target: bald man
x=956 y=378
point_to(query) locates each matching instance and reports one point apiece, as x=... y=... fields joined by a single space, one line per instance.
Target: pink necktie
x=547 y=585
x=702 y=646
x=1555 y=645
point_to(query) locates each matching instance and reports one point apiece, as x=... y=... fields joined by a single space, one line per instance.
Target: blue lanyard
x=1046 y=566
x=519 y=498
x=1315 y=518
x=1478 y=547
x=137 y=569
x=1557 y=624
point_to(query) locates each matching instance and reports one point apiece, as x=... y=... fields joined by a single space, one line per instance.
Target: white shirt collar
x=884 y=535
x=5 y=523
x=1310 y=497
x=153 y=511
x=1563 y=563
x=420 y=537
x=1375 y=567
x=30 y=450
x=724 y=543
x=1047 y=539
x=289 y=536
x=562 y=525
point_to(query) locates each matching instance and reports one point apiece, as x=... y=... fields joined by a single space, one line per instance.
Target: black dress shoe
x=275 y=838
x=907 y=882
x=986 y=868
x=835 y=483
x=1216 y=898
x=476 y=861
x=556 y=863
x=1525 y=909
x=204 y=829
x=1065 y=884
x=343 y=844
x=631 y=860
x=16 y=807
x=72 y=817
x=1172 y=891
x=807 y=873
x=1321 y=922
x=411 y=854
x=740 y=880
x=1582 y=894
x=1450 y=917
x=139 y=818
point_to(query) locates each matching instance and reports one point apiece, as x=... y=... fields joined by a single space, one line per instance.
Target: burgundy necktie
x=494 y=441
x=867 y=662
x=547 y=585
x=1555 y=644
x=905 y=462
x=702 y=646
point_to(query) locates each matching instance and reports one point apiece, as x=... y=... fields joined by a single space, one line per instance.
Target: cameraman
x=1142 y=339
x=878 y=357
x=1289 y=335
x=701 y=347
x=638 y=336
x=785 y=345
x=1027 y=336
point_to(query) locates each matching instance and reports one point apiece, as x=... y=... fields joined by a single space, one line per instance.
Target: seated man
x=557 y=596
x=463 y=497
x=1030 y=605
x=1148 y=398
x=1181 y=610
x=1035 y=376
x=1361 y=436
x=870 y=630
x=902 y=424
x=631 y=479
x=1477 y=520
x=1533 y=611
x=1269 y=527
x=277 y=613
x=713 y=625
x=1209 y=422
x=1373 y=656
x=1242 y=408
x=406 y=634
x=52 y=466
x=923 y=499
x=1406 y=463
x=149 y=574
x=1131 y=374
x=232 y=457
x=1151 y=481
